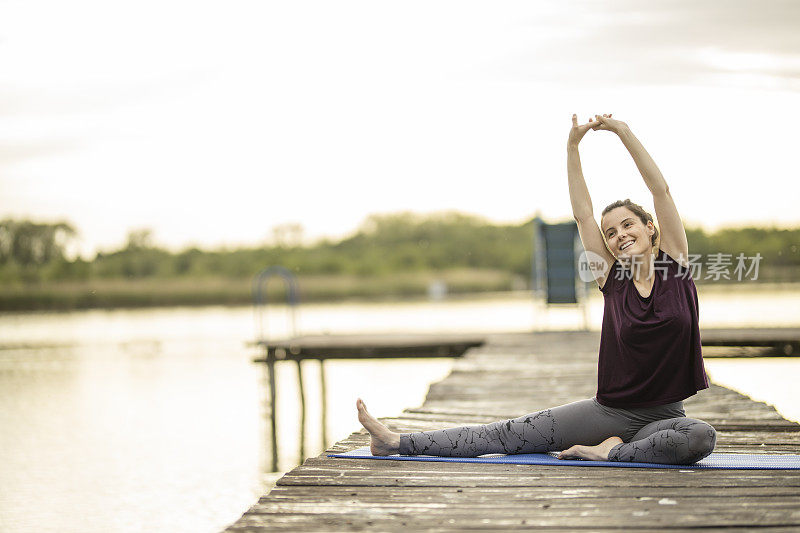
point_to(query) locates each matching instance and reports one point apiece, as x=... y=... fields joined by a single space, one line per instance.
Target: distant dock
x=369 y=346
x=778 y=341
x=510 y=375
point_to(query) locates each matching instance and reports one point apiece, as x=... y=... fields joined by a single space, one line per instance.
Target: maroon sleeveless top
x=650 y=347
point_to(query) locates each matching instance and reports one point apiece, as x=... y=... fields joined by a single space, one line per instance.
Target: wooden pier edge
x=506 y=377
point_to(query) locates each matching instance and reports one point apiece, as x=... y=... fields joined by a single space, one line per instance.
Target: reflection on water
x=155 y=419
x=103 y=438
x=768 y=379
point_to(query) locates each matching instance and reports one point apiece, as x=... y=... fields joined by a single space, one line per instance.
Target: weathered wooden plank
x=399 y=525
x=469 y=493
x=459 y=480
x=500 y=504
x=423 y=518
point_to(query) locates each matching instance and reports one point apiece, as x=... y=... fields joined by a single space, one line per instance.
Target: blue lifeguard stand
x=554 y=273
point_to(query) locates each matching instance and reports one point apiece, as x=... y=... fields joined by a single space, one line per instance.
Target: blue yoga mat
x=731 y=461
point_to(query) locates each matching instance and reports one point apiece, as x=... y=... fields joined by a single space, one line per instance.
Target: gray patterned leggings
x=660 y=434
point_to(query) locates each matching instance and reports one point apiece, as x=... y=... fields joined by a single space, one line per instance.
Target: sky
x=212 y=123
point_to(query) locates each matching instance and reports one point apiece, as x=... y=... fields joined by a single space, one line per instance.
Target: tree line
x=383 y=245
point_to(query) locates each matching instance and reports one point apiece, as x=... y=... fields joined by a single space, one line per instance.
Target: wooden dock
x=779 y=341
x=771 y=341
x=506 y=377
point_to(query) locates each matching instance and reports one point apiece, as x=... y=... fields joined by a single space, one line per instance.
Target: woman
x=650 y=358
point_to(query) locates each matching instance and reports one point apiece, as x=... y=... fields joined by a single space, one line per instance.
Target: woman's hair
x=643 y=215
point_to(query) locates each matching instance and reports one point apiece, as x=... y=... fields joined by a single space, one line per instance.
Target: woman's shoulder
x=679 y=258
x=673 y=267
x=604 y=284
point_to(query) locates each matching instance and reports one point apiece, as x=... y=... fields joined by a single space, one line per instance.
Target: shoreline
x=164 y=293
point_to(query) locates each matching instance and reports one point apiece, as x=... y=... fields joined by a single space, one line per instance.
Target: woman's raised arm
x=578 y=192
x=589 y=231
x=673 y=234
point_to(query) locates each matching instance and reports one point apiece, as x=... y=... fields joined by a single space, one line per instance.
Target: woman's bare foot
x=383 y=441
x=593 y=453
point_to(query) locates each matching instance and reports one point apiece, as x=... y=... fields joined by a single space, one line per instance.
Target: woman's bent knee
x=702 y=439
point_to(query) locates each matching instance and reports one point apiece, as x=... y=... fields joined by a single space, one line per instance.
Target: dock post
x=302 y=411
x=324 y=397
x=272 y=407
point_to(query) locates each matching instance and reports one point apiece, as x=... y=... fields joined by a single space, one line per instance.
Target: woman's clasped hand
x=598 y=122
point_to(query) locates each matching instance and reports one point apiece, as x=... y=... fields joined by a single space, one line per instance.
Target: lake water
x=154 y=420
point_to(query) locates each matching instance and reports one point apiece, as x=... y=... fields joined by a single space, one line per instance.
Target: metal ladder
x=260 y=299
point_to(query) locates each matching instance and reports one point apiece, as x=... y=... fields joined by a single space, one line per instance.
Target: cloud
x=14 y=153
x=662 y=43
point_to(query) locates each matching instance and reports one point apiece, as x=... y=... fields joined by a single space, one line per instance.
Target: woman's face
x=625 y=234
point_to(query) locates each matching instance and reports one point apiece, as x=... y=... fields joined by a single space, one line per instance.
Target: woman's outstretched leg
x=674 y=441
x=533 y=433
x=547 y=430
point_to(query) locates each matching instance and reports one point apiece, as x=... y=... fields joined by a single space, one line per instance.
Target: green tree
x=30 y=244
